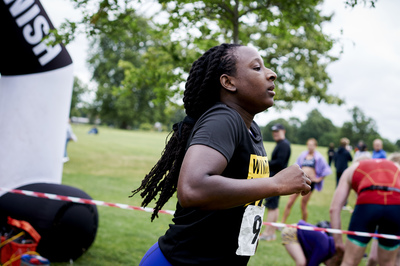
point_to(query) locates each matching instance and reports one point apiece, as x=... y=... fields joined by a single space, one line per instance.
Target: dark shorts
x=312 y=186
x=272 y=202
x=338 y=176
x=368 y=217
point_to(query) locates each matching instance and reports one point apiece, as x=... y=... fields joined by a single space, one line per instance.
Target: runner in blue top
x=378 y=152
x=216 y=162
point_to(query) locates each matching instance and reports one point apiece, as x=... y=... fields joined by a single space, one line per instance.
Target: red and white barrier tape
x=80 y=200
x=333 y=231
x=125 y=206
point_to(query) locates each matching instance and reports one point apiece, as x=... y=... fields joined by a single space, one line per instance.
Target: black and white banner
x=35 y=96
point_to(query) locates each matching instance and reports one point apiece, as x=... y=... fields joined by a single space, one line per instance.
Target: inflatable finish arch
x=35 y=96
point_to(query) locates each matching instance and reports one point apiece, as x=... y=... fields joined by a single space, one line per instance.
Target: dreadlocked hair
x=202 y=91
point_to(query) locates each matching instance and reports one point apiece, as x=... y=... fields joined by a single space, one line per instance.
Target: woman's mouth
x=271 y=91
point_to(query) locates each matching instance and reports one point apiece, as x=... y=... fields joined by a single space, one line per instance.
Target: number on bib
x=250 y=230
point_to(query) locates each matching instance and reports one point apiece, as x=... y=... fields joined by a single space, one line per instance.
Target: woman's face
x=253 y=81
x=311 y=145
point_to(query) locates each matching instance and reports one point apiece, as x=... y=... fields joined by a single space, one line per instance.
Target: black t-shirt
x=200 y=237
x=342 y=158
x=279 y=157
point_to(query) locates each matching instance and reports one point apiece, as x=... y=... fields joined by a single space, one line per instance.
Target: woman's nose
x=271 y=75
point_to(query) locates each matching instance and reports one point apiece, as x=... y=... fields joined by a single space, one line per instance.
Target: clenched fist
x=292 y=180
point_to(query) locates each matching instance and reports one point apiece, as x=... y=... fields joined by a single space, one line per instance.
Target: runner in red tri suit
x=377 y=184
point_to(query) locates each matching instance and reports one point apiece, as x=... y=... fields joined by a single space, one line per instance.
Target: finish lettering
x=35 y=31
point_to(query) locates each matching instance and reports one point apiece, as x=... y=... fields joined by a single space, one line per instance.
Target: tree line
x=360 y=127
x=140 y=60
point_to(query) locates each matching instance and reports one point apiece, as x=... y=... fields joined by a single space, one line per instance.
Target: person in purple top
x=310 y=247
x=314 y=165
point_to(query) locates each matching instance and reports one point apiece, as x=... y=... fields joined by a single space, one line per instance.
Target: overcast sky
x=367 y=74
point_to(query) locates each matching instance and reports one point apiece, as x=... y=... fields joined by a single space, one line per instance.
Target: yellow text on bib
x=258 y=168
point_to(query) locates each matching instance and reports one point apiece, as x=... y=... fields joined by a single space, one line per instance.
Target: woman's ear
x=227 y=83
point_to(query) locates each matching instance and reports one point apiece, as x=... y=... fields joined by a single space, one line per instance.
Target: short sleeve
x=219 y=129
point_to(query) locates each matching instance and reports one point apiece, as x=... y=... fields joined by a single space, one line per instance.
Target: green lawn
x=108 y=166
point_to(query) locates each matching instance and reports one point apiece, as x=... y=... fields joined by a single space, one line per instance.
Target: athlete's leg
x=272 y=205
x=373 y=254
x=292 y=245
x=389 y=224
x=387 y=257
x=304 y=201
x=272 y=217
x=353 y=254
x=397 y=258
x=288 y=207
x=296 y=252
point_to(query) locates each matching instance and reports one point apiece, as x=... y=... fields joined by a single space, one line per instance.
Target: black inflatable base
x=67 y=229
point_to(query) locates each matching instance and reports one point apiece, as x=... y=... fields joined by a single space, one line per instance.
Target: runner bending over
x=377 y=184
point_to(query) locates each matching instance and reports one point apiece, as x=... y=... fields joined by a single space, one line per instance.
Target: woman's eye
x=257 y=68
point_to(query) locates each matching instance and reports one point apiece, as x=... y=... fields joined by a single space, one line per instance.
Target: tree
x=346 y=131
x=318 y=127
x=136 y=75
x=288 y=35
x=79 y=107
x=360 y=128
x=294 y=126
x=388 y=146
x=353 y=3
x=398 y=145
x=98 y=10
x=267 y=132
x=363 y=128
x=322 y=129
x=291 y=127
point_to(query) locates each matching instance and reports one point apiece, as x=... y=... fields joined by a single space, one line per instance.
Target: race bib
x=250 y=230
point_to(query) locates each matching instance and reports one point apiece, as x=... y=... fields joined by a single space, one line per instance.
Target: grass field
x=110 y=165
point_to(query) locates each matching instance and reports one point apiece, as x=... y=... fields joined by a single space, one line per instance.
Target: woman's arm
x=338 y=201
x=201 y=185
x=322 y=169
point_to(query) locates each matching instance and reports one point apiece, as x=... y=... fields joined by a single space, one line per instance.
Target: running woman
x=216 y=162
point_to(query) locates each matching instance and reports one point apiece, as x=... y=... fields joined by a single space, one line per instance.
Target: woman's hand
x=293 y=180
x=316 y=179
x=339 y=249
x=310 y=172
